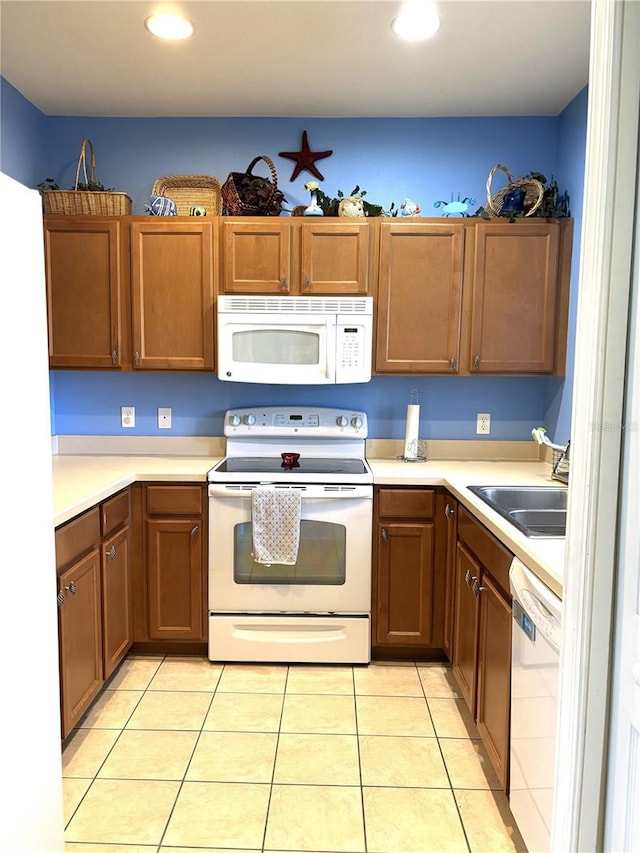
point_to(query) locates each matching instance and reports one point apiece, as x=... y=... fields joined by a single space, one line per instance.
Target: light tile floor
x=179 y=755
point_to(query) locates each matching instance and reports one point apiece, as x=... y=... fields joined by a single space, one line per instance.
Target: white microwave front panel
x=274 y=350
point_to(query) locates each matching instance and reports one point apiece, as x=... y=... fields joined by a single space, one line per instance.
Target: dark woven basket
x=246 y=194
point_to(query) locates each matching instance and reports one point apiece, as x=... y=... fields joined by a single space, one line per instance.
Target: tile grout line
x=113 y=745
x=186 y=769
x=275 y=759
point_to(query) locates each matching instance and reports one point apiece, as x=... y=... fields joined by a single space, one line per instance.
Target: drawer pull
x=476 y=588
x=111 y=553
x=194 y=532
x=449 y=511
x=384 y=535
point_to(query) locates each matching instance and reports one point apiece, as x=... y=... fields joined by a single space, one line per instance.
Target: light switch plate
x=164 y=418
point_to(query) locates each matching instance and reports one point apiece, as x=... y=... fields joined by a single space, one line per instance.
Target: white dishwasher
x=535 y=660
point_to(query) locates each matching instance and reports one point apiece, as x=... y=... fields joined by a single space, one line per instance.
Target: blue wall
x=424 y=159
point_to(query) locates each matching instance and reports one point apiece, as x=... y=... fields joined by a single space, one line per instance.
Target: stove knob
x=356 y=422
x=249 y=420
x=342 y=421
x=234 y=420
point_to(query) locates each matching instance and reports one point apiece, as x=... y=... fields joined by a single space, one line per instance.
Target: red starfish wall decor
x=305 y=159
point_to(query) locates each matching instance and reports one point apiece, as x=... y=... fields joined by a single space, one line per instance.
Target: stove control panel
x=312 y=421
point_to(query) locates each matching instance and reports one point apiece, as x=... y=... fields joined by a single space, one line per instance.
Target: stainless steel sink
x=537 y=511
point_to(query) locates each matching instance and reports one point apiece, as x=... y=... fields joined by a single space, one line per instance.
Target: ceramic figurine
x=409 y=208
x=351 y=206
x=451 y=208
x=314 y=208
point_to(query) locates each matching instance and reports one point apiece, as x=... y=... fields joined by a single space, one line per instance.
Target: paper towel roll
x=412 y=432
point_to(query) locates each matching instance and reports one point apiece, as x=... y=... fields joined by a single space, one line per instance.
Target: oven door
x=333 y=570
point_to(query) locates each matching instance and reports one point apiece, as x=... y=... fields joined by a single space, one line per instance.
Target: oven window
x=276 y=346
x=321 y=557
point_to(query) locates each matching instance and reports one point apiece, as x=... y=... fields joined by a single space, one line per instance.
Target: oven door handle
x=220 y=491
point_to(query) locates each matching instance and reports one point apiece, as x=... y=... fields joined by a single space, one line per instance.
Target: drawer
x=77 y=537
x=491 y=553
x=406 y=503
x=174 y=500
x=115 y=513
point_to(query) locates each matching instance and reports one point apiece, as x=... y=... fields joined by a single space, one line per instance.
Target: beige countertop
x=545 y=557
x=82 y=480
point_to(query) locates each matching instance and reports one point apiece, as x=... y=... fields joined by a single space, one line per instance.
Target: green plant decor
x=555 y=205
x=91 y=186
x=330 y=205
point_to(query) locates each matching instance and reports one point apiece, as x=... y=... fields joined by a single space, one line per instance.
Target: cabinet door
x=174 y=560
x=86 y=291
x=465 y=640
x=419 y=298
x=514 y=299
x=450 y=514
x=172 y=295
x=334 y=257
x=80 y=638
x=256 y=256
x=494 y=676
x=404 y=584
x=117 y=612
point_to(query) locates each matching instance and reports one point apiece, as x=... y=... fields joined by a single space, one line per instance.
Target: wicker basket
x=533 y=192
x=94 y=203
x=191 y=191
x=246 y=194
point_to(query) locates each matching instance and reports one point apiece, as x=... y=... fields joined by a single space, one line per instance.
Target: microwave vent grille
x=295 y=305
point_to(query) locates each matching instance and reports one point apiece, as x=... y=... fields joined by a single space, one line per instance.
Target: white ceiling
x=295 y=58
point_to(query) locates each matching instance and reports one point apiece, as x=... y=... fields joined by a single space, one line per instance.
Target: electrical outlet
x=483 y=424
x=164 y=418
x=127 y=416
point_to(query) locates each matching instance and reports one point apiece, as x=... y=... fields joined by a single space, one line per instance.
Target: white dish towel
x=275 y=517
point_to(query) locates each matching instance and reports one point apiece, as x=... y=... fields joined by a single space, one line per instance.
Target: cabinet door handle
x=60 y=598
x=476 y=588
x=469 y=578
x=111 y=553
x=194 y=532
x=283 y=283
x=453 y=361
x=114 y=357
x=384 y=535
x=306 y=284
x=72 y=588
x=476 y=361
x=449 y=511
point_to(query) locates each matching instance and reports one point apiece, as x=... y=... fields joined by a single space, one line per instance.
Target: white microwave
x=291 y=340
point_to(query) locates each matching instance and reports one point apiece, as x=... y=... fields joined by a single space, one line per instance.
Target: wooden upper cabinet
x=256 y=256
x=284 y=256
x=87 y=299
x=514 y=305
x=334 y=257
x=172 y=290
x=419 y=297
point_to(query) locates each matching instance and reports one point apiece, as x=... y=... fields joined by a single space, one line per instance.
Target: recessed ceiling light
x=416 y=21
x=172 y=27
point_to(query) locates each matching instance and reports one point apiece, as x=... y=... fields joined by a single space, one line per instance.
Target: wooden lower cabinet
x=116 y=599
x=170 y=584
x=80 y=638
x=482 y=636
x=94 y=602
x=408 y=580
